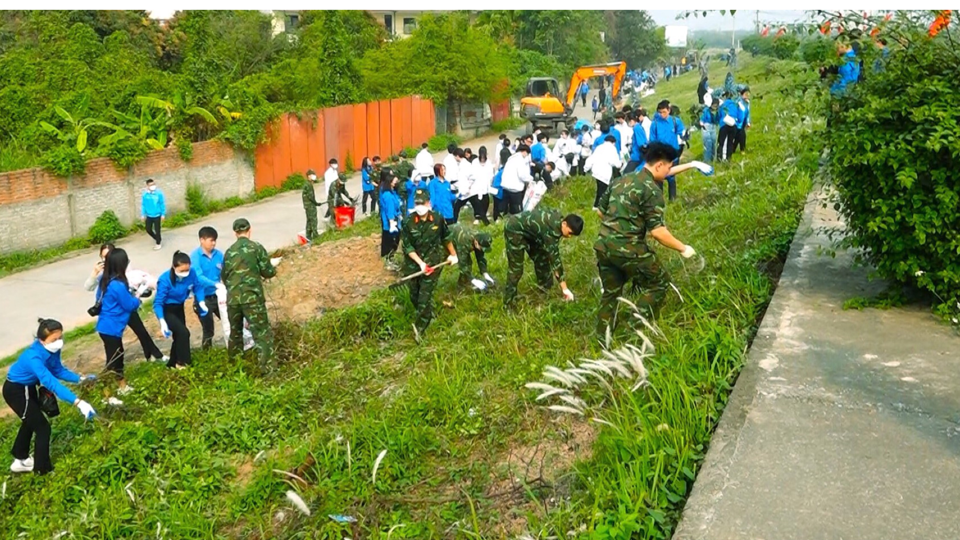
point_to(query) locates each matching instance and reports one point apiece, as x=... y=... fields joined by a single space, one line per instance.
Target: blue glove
x=203 y=308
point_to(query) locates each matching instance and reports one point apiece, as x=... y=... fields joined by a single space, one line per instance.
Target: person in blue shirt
x=849 y=73
x=369 y=183
x=744 y=104
x=117 y=304
x=391 y=215
x=606 y=128
x=538 y=152
x=39 y=365
x=667 y=129
x=638 y=144
x=207 y=262
x=584 y=90
x=153 y=210
x=730 y=116
x=411 y=187
x=595 y=106
x=710 y=126
x=441 y=194
x=173 y=288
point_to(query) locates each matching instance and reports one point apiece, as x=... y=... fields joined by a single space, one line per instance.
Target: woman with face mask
x=135 y=278
x=391 y=216
x=173 y=288
x=118 y=304
x=38 y=365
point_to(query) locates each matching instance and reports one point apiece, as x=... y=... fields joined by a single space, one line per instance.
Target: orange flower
x=825 y=28
x=941 y=22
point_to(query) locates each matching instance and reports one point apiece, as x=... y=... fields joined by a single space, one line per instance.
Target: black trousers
x=388 y=243
x=499 y=208
x=207 y=323
x=726 y=143
x=113 y=348
x=741 y=141
x=372 y=195
x=150 y=349
x=601 y=189
x=25 y=402
x=514 y=201
x=480 y=204
x=631 y=166
x=457 y=206
x=153 y=228
x=177 y=322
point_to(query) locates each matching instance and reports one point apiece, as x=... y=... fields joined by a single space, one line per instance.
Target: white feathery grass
x=593 y=364
x=620 y=367
x=130 y=492
x=602 y=421
x=574 y=402
x=553 y=392
x=159 y=531
x=565 y=409
x=376 y=464
x=349 y=461
x=572 y=377
x=676 y=290
x=540 y=386
x=652 y=327
x=559 y=378
x=298 y=502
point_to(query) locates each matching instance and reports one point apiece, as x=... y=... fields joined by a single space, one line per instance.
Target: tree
x=572 y=37
x=632 y=37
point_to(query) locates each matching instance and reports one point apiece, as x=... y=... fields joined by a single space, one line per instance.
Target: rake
x=403 y=281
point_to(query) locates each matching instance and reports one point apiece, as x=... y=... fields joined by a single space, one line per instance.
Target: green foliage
x=294 y=182
x=817 y=50
x=63 y=161
x=445 y=58
x=127 y=152
x=184 y=148
x=782 y=47
x=348 y=164
x=894 y=154
x=507 y=124
x=632 y=37
x=106 y=228
x=196 y=199
x=441 y=141
x=888 y=299
x=572 y=37
x=267 y=192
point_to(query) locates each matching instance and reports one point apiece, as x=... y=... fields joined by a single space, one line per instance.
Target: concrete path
x=56 y=290
x=843 y=424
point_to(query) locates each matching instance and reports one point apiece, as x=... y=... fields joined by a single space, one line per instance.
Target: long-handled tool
x=403 y=281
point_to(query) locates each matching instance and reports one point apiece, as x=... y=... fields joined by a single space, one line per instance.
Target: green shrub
x=75 y=243
x=441 y=141
x=266 y=192
x=64 y=160
x=507 y=124
x=106 y=228
x=184 y=148
x=894 y=155
x=127 y=152
x=197 y=202
x=348 y=165
x=233 y=202
x=293 y=182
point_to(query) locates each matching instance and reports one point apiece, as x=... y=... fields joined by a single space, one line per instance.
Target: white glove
x=479 y=285
x=203 y=308
x=688 y=252
x=88 y=378
x=221 y=288
x=707 y=170
x=275 y=261
x=453 y=260
x=423 y=266
x=86 y=410
x=489 y=278
x=567 y=295
x=141 y=289
x=164 y=329
x=393 y=226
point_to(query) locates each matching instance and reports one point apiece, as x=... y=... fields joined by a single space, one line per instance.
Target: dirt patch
x=328 y=276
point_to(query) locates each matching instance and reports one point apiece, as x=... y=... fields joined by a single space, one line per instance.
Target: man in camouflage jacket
x=403 y=169
x=310 y=205
x=245 y=264
x=631 y=208
x=538 y=233
x=338 y=196
x=471 y=244
x=426 y=243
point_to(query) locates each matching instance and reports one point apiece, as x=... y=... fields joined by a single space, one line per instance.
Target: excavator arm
x=617 y=69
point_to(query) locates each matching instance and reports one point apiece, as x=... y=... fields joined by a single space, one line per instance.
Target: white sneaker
x=476 y=222
x=157 y=247
x=19 y=466
x=124 y=390
x=165 y=359
x=28 y=462
x=114 y=402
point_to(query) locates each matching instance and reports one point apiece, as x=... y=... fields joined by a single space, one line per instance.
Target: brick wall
x=38 y=209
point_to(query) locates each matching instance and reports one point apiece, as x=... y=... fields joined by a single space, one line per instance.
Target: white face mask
x=152 y=188
x=54 y=346
x=334 y=166
x=183 y=274
x=421 y=209
x=596 y=126
x=312 y=178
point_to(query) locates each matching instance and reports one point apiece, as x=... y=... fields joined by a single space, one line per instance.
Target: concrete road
x=56 y=290
x=844 y=424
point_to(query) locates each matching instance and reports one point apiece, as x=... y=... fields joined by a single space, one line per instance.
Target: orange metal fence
x=346 y=132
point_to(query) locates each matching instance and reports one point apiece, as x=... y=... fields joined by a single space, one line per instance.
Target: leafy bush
x=507 y=124
x=127 y=152
x=294 y=182
x=64 y=161
x=894 y=157
x=184 y=148
x=440 y=142
x=266 y=192
x=106 y=228
x=197 y=202
x=782 y=47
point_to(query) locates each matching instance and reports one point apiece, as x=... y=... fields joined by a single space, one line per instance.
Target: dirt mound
x=328 y=276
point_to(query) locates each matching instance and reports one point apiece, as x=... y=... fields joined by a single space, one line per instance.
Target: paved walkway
x=56 y=290
x=843 y=424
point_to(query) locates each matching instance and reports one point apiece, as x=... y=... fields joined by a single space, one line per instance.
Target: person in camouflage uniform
x=338 y=196
x=245 y=264
x=471 y=244
x=404 y=171
x=424 y=236
x=631 y=208
x=310 y=205
x=538 y=233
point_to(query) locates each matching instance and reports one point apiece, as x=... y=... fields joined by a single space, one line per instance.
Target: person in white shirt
x=424 y=162
x=644 y=121
x=516 y=176
x=464 y=184
x=626 y=136
x=586 y=144
x=565 y=146
x=331 y=175
x=452 y=164
x=481 y=182
x=602 y=163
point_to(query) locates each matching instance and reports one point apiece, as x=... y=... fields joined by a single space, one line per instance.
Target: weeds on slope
x=211 y=452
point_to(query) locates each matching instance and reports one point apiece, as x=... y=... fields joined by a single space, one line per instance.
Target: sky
x=745 y=19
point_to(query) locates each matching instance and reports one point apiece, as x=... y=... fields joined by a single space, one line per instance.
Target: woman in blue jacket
x=116 y=305
x=441 y=194
x=369 y=185
x=390 y=214
x=173 y=288
x=39 y=364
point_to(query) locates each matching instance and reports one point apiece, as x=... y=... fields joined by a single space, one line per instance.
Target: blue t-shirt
x=117 y=303
x=37 y=365
x=389 y=209
x=175 y=293
x=208 y=270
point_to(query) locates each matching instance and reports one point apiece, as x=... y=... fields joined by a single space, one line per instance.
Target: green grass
x=197 y=449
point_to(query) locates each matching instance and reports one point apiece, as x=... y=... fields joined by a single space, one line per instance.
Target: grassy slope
x=448 y=412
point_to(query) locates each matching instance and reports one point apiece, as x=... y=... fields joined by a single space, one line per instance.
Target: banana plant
x=75 y=131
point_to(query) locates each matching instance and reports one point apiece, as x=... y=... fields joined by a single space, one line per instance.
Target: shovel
x=403 y=281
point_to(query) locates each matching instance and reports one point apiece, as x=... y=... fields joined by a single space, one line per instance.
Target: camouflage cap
x=485 y=240
x=241 y=225
x=421 y=196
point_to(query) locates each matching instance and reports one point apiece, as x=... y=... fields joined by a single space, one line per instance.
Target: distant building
x=284 y=21
x=399 y=24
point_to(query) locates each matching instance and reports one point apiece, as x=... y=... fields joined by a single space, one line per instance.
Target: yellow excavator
x=541 y=104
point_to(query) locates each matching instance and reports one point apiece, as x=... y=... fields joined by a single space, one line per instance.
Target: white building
x=399 y=24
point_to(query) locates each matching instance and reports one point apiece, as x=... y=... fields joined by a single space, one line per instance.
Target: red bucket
x=343 y=215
